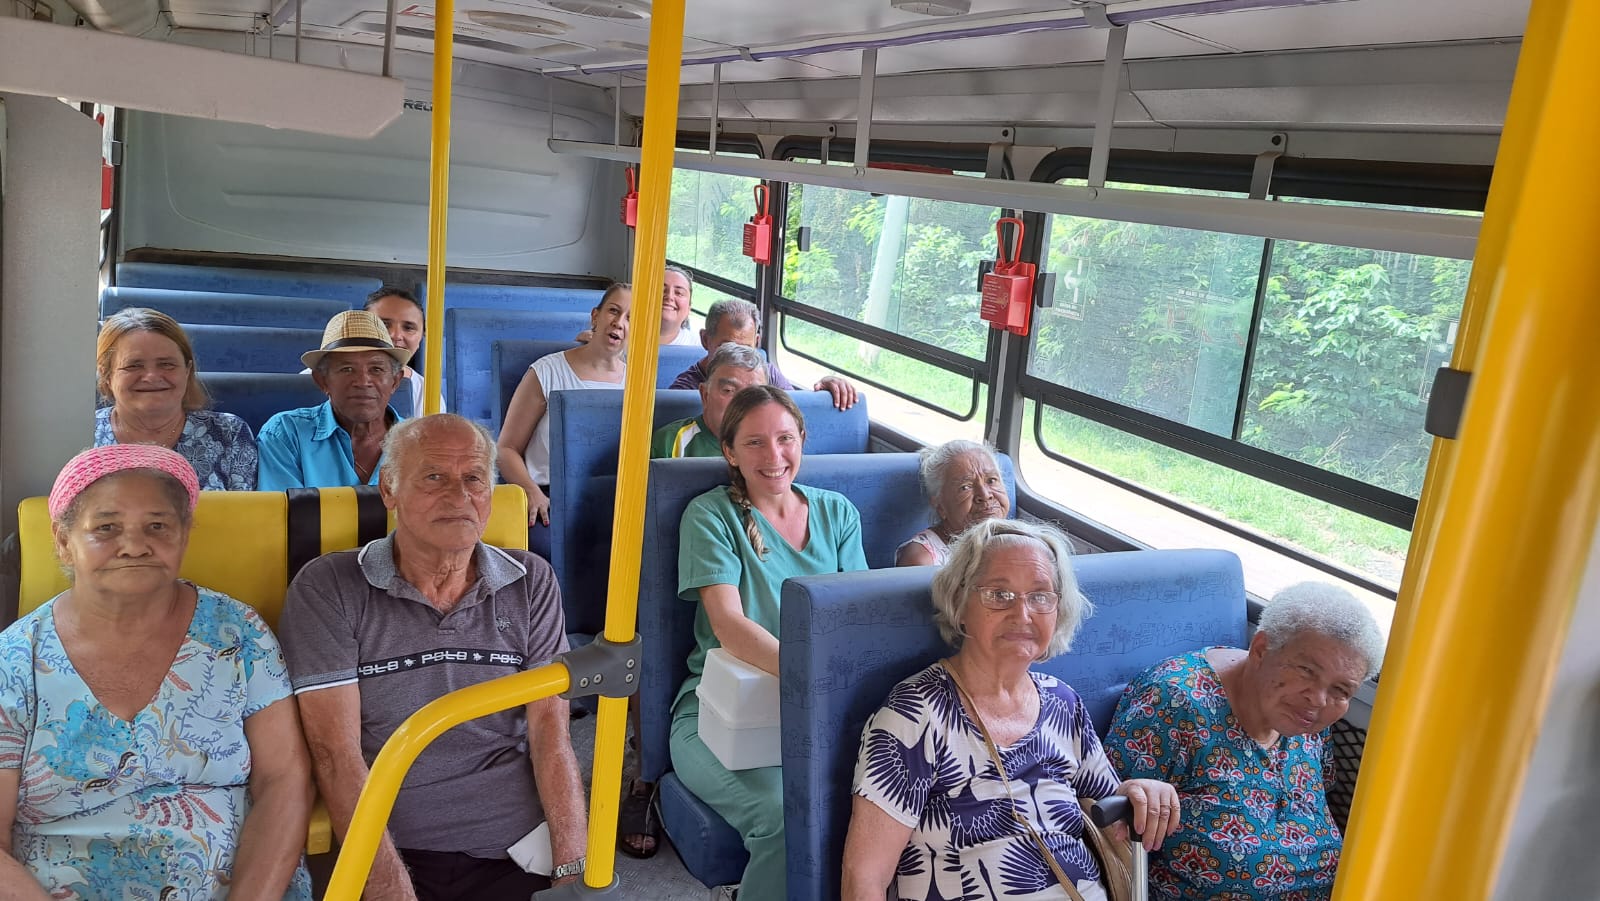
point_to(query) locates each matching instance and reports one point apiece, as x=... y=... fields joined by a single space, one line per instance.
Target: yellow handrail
x=444 y=45
x=1459 y=711
x=401 y=750
x=638 y=407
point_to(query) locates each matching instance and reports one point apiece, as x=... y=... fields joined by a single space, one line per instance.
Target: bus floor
x=661 y=878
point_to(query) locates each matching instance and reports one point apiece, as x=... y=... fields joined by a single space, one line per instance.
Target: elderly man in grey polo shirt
x=371 y=635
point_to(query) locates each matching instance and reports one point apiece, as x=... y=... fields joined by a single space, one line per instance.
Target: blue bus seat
x=884 y=488
x=510 y=361
x=585 y=431
x=351 y=289
x=848 y=638
x=537 y=298
x=469 y=335
x=215 y=308
x=250 y=348
x=256 y=396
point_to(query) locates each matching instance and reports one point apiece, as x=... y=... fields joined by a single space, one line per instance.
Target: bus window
x=1154 y=325
x=706 y=227
x=900 y=274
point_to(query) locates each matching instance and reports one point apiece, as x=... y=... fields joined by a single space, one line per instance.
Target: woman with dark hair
x=146 y=369
x=524 y=443
x=403 y=316
x=737 y=546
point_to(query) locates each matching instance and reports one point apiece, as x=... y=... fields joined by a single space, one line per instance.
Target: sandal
x=638 y=826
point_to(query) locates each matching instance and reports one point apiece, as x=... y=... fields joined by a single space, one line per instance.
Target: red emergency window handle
x=1000 y=239
x=758 y=231
x=630 y=201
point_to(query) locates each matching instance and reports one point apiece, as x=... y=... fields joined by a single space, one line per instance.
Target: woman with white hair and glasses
x=970 y=776
x=1243 y=735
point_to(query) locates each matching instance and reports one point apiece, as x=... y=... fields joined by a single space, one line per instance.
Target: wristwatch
x=570 y=868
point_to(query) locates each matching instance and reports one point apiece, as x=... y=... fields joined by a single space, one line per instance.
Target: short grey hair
x=952 y=587
x=739 y=311
x=933 y=460
x=403 y=438
x=738 y=356
x=1325 y=609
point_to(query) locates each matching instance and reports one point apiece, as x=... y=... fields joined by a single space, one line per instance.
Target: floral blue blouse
x=220 y=447
x=147 y=810
x=1256 y=825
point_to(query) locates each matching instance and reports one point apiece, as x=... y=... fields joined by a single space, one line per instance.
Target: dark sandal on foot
x=638 y=826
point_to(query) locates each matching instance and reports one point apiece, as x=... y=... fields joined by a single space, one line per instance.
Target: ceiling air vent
x=607 y=9
x=933 y=7
x=517 y=22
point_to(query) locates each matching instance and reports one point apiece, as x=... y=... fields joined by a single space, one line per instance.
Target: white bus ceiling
x=1243 y=68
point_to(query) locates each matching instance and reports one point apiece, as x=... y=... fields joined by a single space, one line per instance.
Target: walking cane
x=1117 y=809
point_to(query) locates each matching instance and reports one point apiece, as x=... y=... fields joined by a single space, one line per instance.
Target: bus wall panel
x=206 y=186
x=49 y=295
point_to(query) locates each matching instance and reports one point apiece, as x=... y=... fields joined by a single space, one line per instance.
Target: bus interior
x=1257 y=229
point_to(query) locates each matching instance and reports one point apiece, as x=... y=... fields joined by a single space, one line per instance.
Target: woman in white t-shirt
x=524 y=445
x=402 y=315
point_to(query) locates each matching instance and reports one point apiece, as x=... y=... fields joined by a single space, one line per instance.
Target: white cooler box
x=739 y=712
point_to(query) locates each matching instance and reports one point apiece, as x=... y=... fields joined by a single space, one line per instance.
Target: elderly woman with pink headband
x=149 y=743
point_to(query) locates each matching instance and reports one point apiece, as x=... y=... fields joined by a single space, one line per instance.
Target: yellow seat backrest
x=240 y=546
x=240 y=542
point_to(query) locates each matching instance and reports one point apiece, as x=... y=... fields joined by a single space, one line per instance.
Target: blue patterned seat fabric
x=848 y=639
x=218 y=308
x=884 y=487
x=469 y=336
x=351 y=289
x=542 y=298
x=251 y=348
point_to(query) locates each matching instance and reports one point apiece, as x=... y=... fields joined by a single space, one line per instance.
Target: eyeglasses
x=1002 y=599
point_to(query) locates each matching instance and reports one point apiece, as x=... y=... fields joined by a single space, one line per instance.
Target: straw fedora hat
x=354 y=331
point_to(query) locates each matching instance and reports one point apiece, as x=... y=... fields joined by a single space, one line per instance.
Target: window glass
x=1149 y=316
x=904 y=264
x=1350 y=340
x=1355 y=542
x=705 y=228
x=946 y=397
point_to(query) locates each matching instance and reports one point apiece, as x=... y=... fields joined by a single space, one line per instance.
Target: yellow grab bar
x=444 y=46
x=401 y=750
x=638 y=408
x=1459 y=711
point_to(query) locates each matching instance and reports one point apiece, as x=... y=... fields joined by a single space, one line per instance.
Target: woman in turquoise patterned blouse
x=149 y=743
x=1242 y=734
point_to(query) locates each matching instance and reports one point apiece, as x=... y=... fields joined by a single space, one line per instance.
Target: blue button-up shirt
x=307 y=448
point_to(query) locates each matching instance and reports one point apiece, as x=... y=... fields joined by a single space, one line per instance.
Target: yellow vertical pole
x=1441 y=779
x=444 y=46
x=650 y=255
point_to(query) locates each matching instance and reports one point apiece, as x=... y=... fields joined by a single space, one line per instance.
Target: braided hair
x=743 y=404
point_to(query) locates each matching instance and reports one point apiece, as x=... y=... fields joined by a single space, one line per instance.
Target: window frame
x=977 y=371
x=1456 y=187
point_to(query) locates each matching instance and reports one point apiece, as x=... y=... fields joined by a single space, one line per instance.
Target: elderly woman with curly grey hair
x=970 y=776
x=1242 y=733
x=964 y=487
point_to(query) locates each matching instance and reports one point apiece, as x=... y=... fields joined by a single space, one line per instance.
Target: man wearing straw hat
x=339 y=441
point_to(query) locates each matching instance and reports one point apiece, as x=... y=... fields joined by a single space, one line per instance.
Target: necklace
x=166 y=436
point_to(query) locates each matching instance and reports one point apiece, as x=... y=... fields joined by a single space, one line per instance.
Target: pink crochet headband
x=96 y=463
